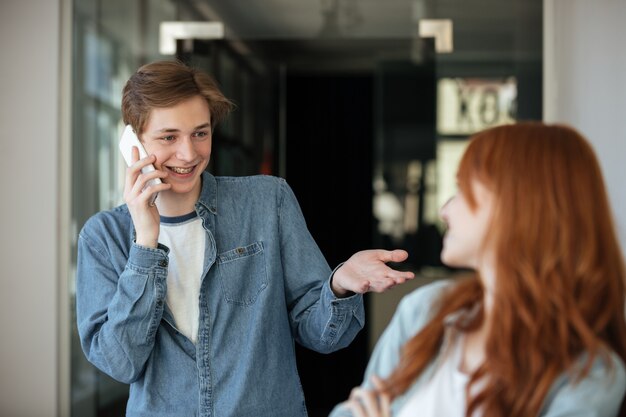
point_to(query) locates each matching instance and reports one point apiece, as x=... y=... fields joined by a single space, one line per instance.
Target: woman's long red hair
x=560 y=273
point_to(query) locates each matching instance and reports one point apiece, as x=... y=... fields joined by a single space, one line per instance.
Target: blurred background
x=363 y=106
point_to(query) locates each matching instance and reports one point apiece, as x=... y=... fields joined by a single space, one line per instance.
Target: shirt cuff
x=149 y=259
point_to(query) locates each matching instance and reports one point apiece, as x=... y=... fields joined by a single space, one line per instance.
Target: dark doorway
x=329 y=142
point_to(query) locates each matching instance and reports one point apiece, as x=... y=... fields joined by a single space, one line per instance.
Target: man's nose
x=186 y=150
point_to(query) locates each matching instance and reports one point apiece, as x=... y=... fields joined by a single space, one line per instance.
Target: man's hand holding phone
x=142 y=184
x=128 y=141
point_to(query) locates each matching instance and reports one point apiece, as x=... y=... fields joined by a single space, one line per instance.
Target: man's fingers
x=399 y=255
x=382 y=285
x=393 y=276
x=134 y=152
x=396 y=255
x=363 y=287
x=400 y=275
x=390 y=280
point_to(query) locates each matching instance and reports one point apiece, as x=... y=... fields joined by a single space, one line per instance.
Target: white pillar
x=30 y=212
x=585 y=83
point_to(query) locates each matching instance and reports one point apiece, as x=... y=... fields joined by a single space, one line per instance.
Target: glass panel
x=109 y=42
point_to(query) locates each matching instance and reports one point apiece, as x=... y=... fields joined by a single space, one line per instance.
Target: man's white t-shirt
x=185 y=237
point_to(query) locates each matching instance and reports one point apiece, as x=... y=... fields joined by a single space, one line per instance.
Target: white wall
x=29 y=169
x=585 y=83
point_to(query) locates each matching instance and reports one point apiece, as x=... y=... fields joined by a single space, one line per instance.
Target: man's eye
x=201 y=134
x=168 y=138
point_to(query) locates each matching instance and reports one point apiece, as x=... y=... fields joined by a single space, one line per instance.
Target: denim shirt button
x=163 y=263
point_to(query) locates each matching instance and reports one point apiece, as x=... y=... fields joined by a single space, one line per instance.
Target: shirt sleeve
x=319 y=320
x=118 y=310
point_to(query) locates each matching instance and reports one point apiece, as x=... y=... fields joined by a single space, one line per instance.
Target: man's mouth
x=182 y=171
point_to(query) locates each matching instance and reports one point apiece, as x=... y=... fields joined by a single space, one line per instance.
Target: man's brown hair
x=164 y=84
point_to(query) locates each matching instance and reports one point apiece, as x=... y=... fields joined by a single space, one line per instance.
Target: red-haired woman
x=539 y=328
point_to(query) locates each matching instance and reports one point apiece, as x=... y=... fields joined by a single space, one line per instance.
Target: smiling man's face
x=180 y=138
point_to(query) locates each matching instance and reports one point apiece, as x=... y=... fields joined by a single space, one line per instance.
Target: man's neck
x=171 y=204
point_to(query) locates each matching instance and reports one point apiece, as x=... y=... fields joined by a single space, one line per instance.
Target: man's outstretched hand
x=367 y=270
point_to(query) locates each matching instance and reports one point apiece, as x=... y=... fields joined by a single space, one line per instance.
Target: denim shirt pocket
x=242 y=273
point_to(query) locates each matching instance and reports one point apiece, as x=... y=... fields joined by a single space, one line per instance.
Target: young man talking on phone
x=196 y=301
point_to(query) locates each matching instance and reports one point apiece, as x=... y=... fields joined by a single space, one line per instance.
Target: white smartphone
x=127 y=141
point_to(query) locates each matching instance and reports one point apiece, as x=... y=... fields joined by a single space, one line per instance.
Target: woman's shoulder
x=417 y=307
x=425 y=295
x=600 y=391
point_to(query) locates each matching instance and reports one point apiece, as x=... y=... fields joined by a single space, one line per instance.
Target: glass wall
x=110 y=40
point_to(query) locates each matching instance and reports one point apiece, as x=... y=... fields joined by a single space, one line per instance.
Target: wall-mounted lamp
x=441 y=30
x=169 y=32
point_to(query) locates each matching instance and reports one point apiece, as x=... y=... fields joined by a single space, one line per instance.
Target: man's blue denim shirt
x=265 y=284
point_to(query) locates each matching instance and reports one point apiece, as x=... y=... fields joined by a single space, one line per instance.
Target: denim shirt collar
x=207 y=199
x=208 y=194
